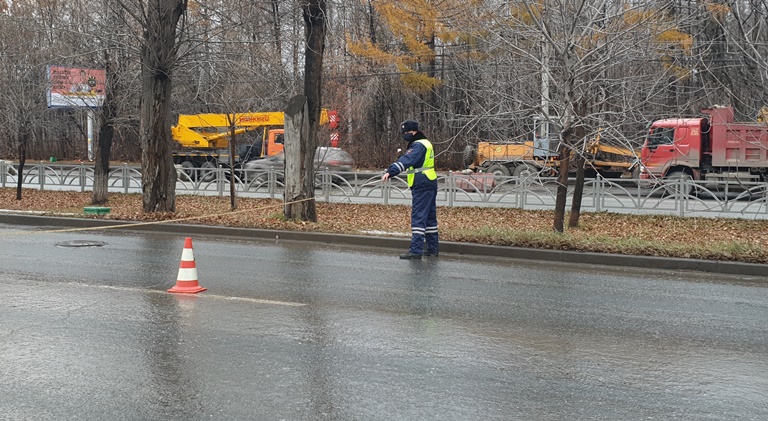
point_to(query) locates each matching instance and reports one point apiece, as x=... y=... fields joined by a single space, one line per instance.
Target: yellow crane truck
x=203 y=139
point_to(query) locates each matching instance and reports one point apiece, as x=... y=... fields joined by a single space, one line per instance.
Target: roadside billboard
x=75 y=87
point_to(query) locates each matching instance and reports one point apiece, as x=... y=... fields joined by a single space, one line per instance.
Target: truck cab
x=674 y=146
x=272 y=143
x=714 y=148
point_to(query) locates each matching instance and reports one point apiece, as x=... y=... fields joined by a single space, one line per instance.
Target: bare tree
x=302 y=206
x=116 y=97
x=23 y=67
x=103 y=145
x=158 y=21
x=742 y=52
x=583 y=49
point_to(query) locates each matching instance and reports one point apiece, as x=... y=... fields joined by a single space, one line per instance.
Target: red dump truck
x=712 y=148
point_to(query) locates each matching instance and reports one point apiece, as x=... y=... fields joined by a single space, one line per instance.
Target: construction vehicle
x=713 y=148
x=204 y=138
x=540 y=156
x=611 y=161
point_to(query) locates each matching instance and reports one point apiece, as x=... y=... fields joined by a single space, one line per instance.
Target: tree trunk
x=102 y=150
x=578 y=193
x=562 y=186
x=578 y=188
x=103 y=144
x=314 y=12
x=314 y=31
x=158 y=176
x=232 y=141
x=566 y=135
x=22 y=161
x=299 y=172
x=277 y=34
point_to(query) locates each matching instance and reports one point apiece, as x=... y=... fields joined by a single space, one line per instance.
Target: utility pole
x=544 y=83
x=541 y=135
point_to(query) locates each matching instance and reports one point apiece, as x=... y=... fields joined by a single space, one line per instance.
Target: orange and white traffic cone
x=186 y=282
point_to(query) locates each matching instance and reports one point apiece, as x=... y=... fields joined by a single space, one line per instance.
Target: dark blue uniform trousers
x=424 y=219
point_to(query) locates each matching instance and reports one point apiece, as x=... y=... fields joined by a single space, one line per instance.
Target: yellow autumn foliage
x=719 y=11
x=368 y=50
x=417 y=81
x=417 y=25
x=680 y=39
x=525 y=14
x=635 y=17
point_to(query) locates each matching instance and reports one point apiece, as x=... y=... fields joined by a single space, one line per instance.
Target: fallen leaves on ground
x=654 y=235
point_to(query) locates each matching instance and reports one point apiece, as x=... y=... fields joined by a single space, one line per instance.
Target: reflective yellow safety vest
x=428 y=167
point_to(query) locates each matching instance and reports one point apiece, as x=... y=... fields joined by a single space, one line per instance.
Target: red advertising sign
x=75 y=86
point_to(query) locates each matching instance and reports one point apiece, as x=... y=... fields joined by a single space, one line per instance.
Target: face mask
x=408 y=137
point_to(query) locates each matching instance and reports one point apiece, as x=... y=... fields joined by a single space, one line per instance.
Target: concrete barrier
x=477 y=181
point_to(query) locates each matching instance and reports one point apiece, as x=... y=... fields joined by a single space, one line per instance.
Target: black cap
x=409 y=126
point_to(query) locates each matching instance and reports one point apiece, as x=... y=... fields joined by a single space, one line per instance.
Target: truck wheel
x=525 y=171
x=469 y=155
x=672 y=180
x=499 y=172
x=207 y=171
x=189 y=169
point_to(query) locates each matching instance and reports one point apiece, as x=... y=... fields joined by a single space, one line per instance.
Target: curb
x=468 y=249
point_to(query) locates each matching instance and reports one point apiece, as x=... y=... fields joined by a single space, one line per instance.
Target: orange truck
x=524 y=159
x=714 y=147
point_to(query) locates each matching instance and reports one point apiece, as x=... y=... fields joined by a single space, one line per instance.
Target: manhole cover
x=81 y=243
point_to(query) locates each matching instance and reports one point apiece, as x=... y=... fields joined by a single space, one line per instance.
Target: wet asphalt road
x=304 y=331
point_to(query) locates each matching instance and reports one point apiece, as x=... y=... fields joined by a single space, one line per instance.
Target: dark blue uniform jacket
x=413 y=157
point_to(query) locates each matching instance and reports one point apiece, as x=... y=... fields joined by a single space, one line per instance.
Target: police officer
x=418 y=163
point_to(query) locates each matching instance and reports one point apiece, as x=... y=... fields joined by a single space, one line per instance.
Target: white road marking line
x=201 y=295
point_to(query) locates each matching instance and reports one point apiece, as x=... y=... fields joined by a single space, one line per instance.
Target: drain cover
x=81 y=243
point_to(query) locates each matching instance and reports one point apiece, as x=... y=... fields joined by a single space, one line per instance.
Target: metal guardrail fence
x=681 y=198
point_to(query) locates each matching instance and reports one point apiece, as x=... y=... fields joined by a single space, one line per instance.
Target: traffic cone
x=186 y=282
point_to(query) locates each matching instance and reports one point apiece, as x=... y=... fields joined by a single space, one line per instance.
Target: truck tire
x=672 y=180
x=469 y=155
x=499 y=172
x=188 y=167
x=207 y=171
x=525 y=171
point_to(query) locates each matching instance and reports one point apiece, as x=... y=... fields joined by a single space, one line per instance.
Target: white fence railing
x=682 y=198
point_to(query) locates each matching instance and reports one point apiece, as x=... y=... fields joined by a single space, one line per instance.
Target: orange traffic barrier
x=186 y=282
